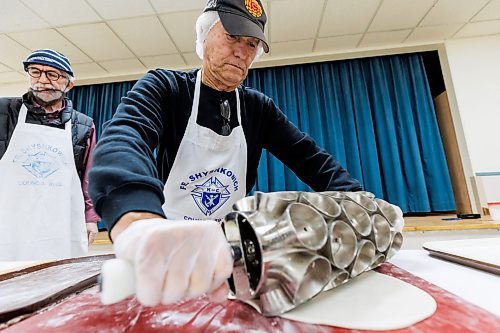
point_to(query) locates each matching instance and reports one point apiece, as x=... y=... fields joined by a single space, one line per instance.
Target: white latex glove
x=92 y=231
x=176 y=260
x=399 y=223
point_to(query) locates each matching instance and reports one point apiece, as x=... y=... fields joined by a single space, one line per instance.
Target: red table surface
x=85 y=313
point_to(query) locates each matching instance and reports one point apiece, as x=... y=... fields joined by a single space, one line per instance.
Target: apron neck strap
x=22 y=114
x=196 y=100
x=21 y=120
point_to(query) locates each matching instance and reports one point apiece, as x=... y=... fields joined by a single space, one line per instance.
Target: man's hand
x=92 y=231
x=175 y=260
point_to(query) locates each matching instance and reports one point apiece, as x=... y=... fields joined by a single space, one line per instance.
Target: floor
x=417 y=231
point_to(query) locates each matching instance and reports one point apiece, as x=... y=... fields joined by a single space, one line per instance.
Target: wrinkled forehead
x=218 y=27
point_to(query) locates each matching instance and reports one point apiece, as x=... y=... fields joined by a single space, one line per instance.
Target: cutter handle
x=117 y=279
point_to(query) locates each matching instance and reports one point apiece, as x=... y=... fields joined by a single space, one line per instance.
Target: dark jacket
x=80 y=130
x=125 y=176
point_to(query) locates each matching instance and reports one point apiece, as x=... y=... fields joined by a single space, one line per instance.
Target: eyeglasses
x=225 y=112
x=37 y=73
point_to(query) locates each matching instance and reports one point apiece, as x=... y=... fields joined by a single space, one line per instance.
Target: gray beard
x=44 y=102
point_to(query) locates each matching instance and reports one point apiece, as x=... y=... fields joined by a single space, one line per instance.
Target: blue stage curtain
x=99 y=101
x=375 y=116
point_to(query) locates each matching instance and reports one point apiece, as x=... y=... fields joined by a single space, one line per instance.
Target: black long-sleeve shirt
x=126 y=177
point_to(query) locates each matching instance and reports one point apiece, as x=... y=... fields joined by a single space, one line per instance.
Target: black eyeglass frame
x=48 y=74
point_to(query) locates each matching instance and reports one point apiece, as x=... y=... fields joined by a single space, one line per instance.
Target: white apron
x=209 y=171
x=42 y=211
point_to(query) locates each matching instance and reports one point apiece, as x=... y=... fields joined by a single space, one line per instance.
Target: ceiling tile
x=293 y=25
x=8 y=77
x=347 y=17
x=50 y=39
x=90 y=70
x=384 y=38
x=61 y=12
x=337 y=43
x=285 y=49
x=192 y=59
x=125 y=66
x=479 y=29
x=490 y=12
x=181 y=27
x=14 y=16
x=113 y=9
x=452 y=11
x=409 y=13
x=170 y=6
x=433 y=33
x=144 y=35
x=170 y=61
x=135 y=30
x=4 y=68
x=106 y=47
x=12 y=53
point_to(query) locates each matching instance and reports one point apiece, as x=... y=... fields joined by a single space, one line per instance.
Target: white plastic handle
x=117 y=280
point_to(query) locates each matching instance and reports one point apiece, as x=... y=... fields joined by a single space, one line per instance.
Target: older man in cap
x=45 y=153
x=209 y=132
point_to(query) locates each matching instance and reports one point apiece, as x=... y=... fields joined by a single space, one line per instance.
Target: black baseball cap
x=241 y=17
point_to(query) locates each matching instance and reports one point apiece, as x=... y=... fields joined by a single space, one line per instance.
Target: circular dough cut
x=370 y=301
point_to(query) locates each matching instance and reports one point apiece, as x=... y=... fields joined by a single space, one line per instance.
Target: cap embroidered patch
x=241 y=18
x=253 y=8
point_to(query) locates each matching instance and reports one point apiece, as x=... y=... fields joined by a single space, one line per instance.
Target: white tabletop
x=476 y=286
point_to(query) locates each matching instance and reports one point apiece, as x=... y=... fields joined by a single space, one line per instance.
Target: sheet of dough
x=483 y=250
x=11 y=266
x=371 y=301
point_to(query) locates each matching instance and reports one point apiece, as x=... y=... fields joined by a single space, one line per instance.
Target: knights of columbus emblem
x=210 y=195
x=40 y=164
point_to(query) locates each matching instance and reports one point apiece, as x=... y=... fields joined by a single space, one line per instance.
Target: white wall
x=474 y=65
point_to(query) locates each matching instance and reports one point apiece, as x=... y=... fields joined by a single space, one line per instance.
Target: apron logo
x=210 y=195
x=41 y=165
x=40 y=160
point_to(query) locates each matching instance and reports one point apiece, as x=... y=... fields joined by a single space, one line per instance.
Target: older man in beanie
x=209 y=132
x=45 y=153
